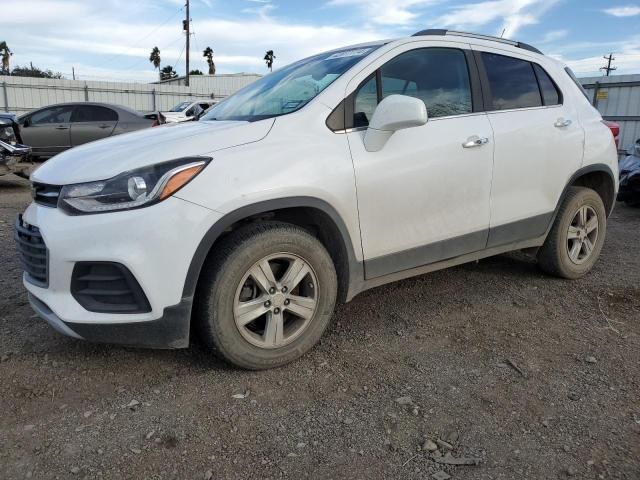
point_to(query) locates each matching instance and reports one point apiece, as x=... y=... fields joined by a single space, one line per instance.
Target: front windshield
x=288 y=89
x=180 y=107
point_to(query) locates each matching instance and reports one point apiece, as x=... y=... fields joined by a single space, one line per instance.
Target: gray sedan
x=55 y=128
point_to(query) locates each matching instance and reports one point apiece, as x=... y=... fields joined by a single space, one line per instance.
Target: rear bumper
x=169 y=331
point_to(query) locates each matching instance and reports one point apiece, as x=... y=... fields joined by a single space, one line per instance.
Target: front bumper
x=156 y=244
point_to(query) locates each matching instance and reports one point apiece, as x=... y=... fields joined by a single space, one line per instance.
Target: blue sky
x=111 y=39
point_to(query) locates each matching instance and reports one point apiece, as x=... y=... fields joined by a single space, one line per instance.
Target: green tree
x=5 y=54
x=155 y=59
x=195 y=72
x=269 y=57
x=167 y=73
x=208 y=54
x=32 y=71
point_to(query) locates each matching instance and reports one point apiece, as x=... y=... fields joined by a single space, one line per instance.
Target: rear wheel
x=576 y=238
x=266 y=295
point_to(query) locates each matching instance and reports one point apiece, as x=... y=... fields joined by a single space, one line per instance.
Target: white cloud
x=626 y=11
x=387 y=12
x=514 y=14
x=554 y=35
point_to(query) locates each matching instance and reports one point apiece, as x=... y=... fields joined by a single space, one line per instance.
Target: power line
x=138 y=42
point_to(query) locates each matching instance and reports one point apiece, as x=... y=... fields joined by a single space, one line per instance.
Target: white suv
x=338 y=173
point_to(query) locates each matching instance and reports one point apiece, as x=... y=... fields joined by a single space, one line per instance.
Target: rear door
x=538 y=144
x=92 y=122
x=47 y=131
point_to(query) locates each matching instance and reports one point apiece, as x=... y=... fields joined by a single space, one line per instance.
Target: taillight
x=615 y=130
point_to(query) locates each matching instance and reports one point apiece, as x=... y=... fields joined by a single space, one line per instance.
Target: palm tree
x=269 y=57
x=167 y=73
x=6 y=55
x=208 y=54
x=155 y=59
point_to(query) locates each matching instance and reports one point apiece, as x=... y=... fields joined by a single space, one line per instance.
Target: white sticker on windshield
x=349 y=53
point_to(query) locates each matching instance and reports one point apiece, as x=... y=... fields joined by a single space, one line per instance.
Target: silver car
x=56 y=128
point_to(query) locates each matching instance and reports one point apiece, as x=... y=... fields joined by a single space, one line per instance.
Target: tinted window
x=437 y=76
x=365 y=103
x=512 y=81
x=550 y=93
x=93 y=113
x=51 y=115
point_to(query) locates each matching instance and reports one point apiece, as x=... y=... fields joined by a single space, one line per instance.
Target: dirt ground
x=534 y=376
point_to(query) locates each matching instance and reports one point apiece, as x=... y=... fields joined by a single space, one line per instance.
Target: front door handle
x=104 y=126
x=475 y=141
x=62 y=127
x=561 y=122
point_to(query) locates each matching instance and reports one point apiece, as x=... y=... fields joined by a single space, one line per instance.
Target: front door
x=47 y=131
x=424 y=197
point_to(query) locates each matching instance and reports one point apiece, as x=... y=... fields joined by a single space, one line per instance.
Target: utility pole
x=186 y=28
x=73 y=72
x=609 y=68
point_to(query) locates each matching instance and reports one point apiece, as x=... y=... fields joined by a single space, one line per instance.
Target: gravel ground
x=531 y=376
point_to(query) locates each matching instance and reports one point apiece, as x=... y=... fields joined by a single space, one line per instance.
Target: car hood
x=109 y=157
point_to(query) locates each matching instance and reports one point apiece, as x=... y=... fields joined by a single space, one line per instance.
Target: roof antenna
x=502 y=34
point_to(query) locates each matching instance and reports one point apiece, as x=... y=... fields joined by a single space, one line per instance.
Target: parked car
x=630 y=177
x=14 y=157
x=341 y=172
x=185 y=111
x=53 y=129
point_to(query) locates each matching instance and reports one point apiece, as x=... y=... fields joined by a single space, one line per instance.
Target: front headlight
x=132 y=189
x=7 y=134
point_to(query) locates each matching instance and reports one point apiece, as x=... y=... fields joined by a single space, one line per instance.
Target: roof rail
x=444 y=31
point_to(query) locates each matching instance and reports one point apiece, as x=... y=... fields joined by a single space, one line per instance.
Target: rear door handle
x=475 y=141
x=104 y=126
x=561 y=122
x=62 y=127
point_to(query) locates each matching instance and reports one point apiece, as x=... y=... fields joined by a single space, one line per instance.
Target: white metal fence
x=22 y=94
x=618 y=99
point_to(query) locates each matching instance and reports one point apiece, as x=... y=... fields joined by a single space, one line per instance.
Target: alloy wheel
x=276 y=300
x=582 y=234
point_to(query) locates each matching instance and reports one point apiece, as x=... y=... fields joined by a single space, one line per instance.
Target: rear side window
x=512 y=82
x=550 y=93
x=93 y=113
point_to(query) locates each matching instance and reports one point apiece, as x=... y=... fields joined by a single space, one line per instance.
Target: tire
x=569 y=235
x=233 y=287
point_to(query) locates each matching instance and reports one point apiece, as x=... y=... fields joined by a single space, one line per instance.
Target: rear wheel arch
x=313 y=214
x=598 y=177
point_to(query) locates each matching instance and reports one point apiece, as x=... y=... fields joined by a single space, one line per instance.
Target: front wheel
x=576 y=238
x=266 y=296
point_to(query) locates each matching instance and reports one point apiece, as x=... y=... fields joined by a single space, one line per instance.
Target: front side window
x=512 y=82
x=180 y=107
x=288 y=89
x=51 y=115
x=437 y=76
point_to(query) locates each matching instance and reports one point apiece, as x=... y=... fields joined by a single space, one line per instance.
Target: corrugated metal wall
x=22 y=94
x=617 y=98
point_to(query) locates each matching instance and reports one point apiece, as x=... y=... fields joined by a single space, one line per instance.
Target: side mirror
x=189 y=113
x=395 y=112
x=26 y=123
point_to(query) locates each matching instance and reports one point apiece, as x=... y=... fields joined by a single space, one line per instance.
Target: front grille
x=32 y=252
x=107 y=287
x=44 y=194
